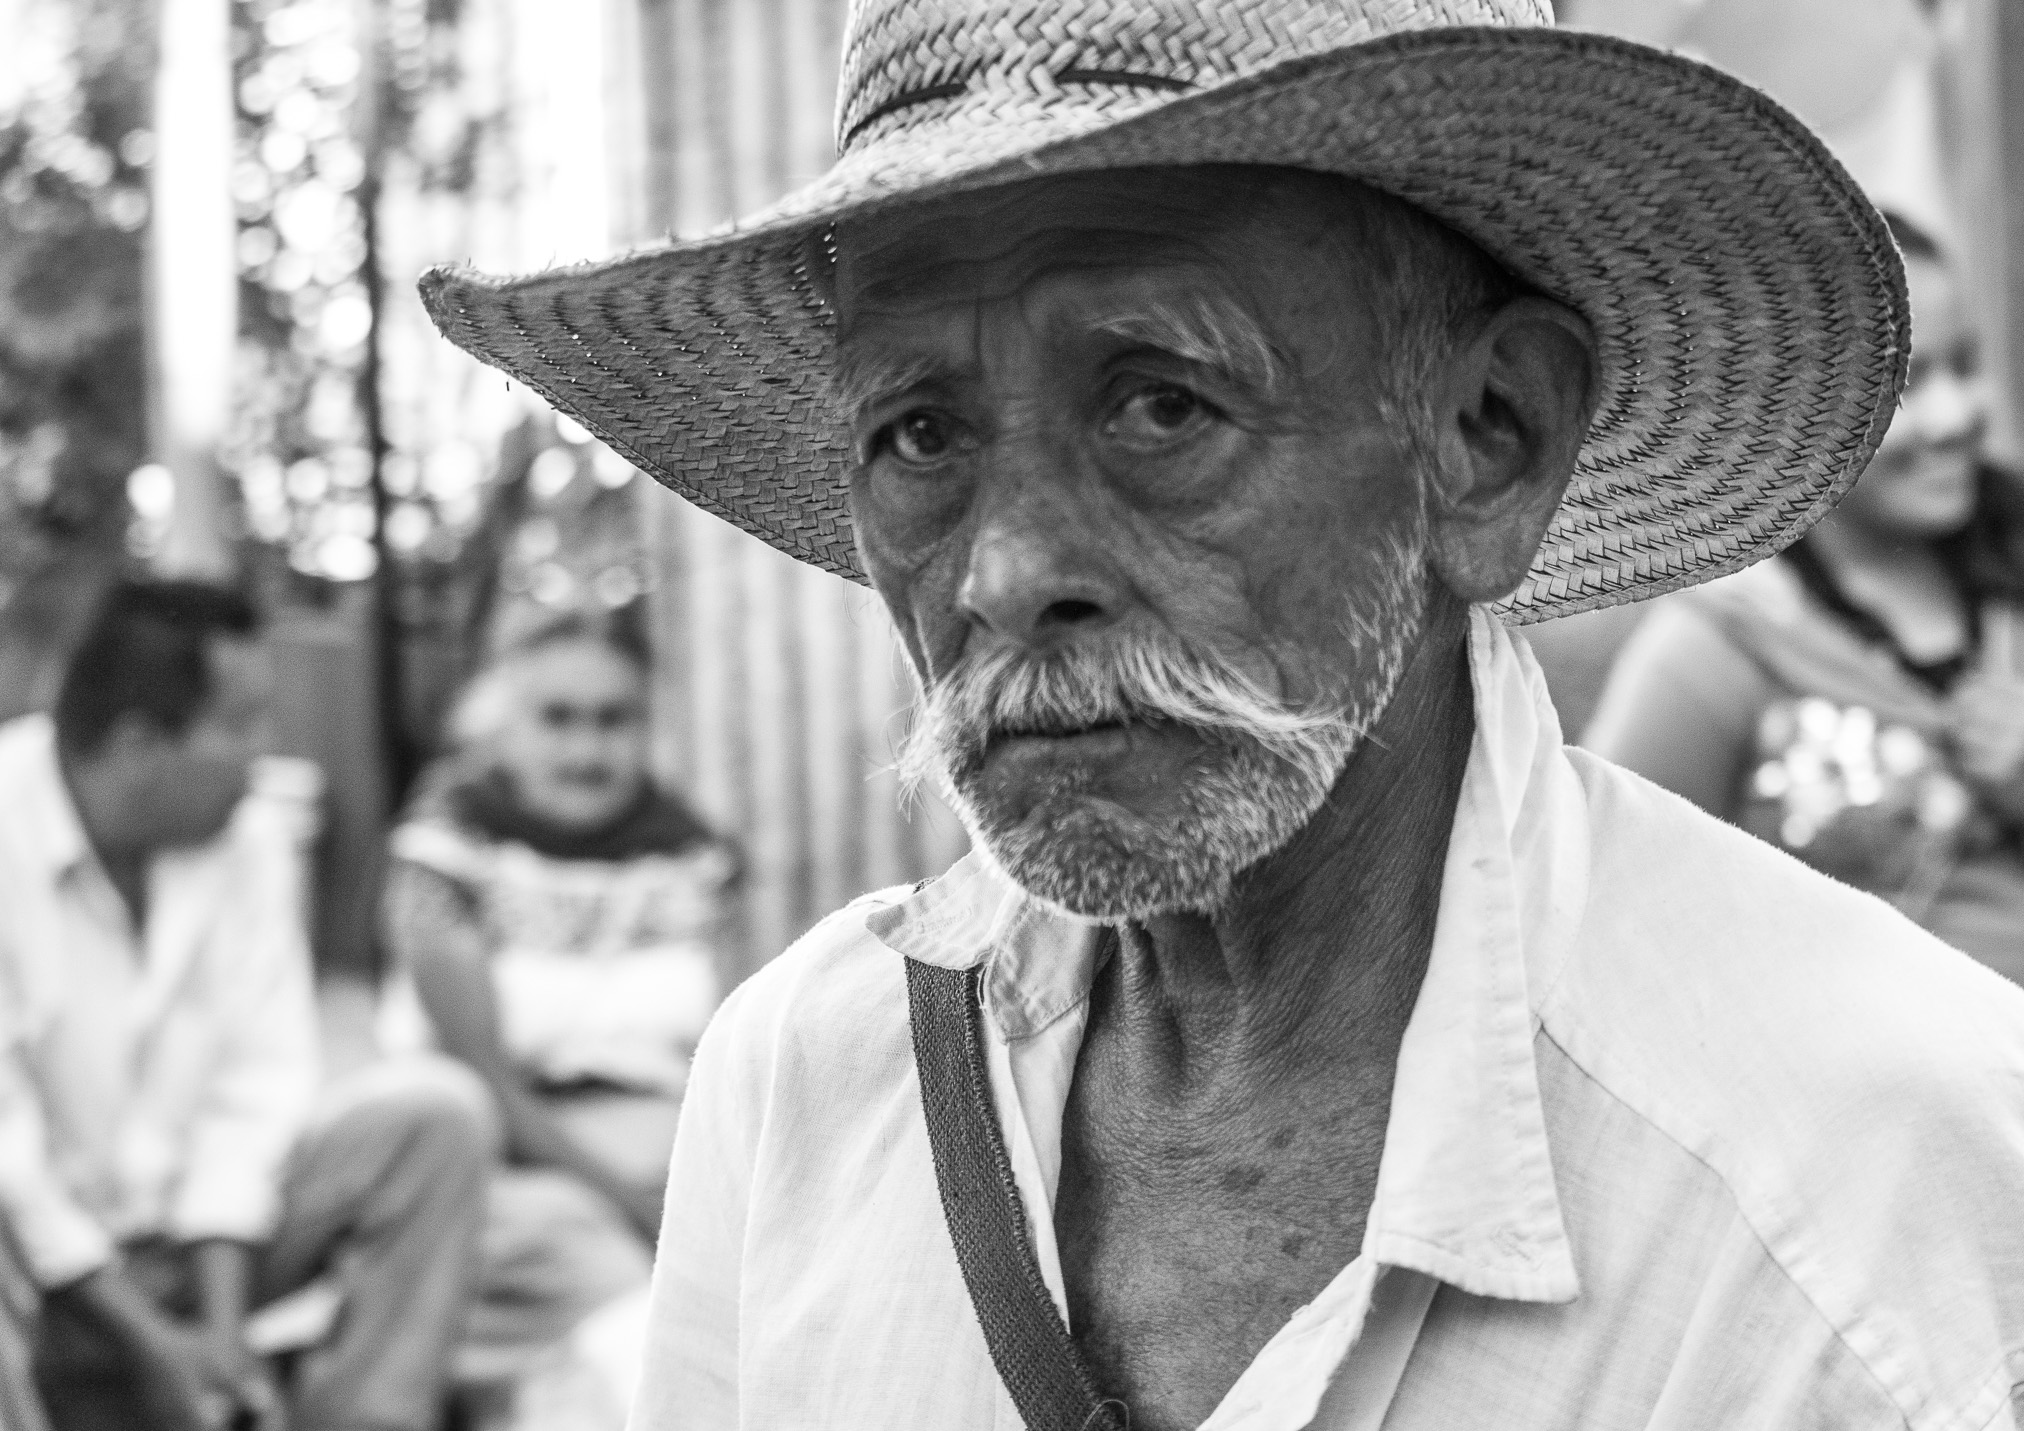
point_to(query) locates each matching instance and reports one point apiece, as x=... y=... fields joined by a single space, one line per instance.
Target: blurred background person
x=1860 y=699
x=554 y=919
x=167 y=1164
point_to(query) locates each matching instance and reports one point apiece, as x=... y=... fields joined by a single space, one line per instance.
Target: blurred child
x=1860 y=699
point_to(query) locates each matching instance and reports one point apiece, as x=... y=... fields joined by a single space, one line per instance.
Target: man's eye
x=1158 y=414
x=919 y=439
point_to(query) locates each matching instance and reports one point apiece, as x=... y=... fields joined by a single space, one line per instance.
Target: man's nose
x=1950 y=408
x=1037 y=573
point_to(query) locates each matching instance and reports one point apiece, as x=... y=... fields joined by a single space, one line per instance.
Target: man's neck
x=1331 y=932
x=1221 y=1140
x=99 y=798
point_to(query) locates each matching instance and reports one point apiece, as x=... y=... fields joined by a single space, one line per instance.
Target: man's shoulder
x=1856 y=1086
x=831 y=998
x=27 y=763
x=36 y=824
x=1722 y=936
x=28 y=736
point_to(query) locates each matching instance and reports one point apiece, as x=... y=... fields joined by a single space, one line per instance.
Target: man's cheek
x=902 y=519
x=923 y=599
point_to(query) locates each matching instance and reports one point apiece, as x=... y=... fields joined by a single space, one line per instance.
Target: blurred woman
x=1860 y=699
x=554 y=918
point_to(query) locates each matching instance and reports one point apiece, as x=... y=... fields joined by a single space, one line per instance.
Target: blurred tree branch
x=73 y=401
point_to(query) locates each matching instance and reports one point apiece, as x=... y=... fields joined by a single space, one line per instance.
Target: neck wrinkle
x=1332 y=931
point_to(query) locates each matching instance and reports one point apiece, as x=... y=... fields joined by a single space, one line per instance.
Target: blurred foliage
x=492 y=502
x=301 y=439
x=370 y=142
x=73 y=151
x=74 y=147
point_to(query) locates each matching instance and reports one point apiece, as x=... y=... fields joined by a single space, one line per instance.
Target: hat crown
x=901 y=55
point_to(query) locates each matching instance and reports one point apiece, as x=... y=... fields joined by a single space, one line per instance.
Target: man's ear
x=1511 y=410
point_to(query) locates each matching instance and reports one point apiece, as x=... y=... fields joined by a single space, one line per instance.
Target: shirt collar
x=1465 y=1189
x=43 y=808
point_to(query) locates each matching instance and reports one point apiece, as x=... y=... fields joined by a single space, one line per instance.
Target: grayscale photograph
x=1011 y=715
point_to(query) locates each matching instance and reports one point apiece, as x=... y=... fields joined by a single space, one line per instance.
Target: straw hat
x=1749 y=304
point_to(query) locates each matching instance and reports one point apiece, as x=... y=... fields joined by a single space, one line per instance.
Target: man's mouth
x=1057 y=737
x=1053 y=728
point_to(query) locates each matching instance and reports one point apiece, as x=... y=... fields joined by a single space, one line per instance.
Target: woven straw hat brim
x=1748 y=301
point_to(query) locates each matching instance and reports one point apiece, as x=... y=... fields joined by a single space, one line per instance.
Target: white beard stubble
x=1271 y=766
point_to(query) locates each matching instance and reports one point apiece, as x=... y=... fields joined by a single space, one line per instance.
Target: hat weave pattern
x=928 y=49
x=1747 y=301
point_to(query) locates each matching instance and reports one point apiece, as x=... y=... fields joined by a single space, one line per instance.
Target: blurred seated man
x=557 y=915
x=1859 y=699
x=167 y=1162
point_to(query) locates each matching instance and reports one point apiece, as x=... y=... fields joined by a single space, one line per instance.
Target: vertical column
x=193 y=281
x=1984 y=129
x=626 y=131
x=559 y=80
x=655 y=28
x=779 y=683
x=835 y=798
x=762 y=86
x=652 y=31
x=719 y=688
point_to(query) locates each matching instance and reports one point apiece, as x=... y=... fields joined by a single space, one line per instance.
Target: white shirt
x=1683 y=1135
x=602 y=968
x=149 y=1084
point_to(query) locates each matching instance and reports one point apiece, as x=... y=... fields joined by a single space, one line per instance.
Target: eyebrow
x=860 y=379
x=1219 y=336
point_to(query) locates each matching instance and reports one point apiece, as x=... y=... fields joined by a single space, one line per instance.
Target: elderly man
x=1311 y=1040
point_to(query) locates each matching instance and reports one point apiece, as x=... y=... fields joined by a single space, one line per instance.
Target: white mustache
x=1146 y=681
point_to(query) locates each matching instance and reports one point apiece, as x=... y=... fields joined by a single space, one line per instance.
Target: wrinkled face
x=1129 y=487
x=1921 y=483
x=184 y=787
x=574 y=735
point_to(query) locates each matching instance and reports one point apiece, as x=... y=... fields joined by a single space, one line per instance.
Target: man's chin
x=1108 y=850
x=1098 y=861
x=1109 y=893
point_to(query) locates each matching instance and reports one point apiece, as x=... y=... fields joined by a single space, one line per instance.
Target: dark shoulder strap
x=1030 y=1346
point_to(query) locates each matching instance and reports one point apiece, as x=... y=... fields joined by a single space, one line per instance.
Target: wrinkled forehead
x=1197 y=259
x=925 y=271
x=991 y=242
